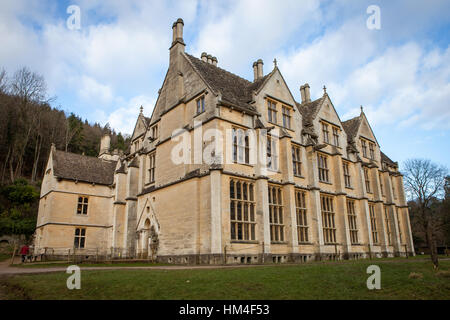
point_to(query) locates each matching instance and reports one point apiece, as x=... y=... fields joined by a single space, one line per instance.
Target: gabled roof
x=385 y=158
x=81 y=168
x=233 y=88
x=310 y=110
x=351 y=127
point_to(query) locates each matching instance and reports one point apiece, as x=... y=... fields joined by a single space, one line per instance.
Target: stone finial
x=141 y=109
x=324 y=90
x=274 y=63
x=361 y=109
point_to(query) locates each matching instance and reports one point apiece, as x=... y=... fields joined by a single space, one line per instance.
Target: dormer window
x=325 y=133
x=155 y=131
x=286 y=117
x=336 y=136
x=372 y=150
x=364 y=147
x=272 y=111
x=201 y=104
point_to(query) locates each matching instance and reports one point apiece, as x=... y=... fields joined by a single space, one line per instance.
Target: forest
x=28 y=127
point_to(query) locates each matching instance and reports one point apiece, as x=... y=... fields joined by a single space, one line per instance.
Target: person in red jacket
x=24 y=252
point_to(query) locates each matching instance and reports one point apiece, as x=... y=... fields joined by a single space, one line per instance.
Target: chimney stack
x=105 y=143
x=209 y=59
x=204 y=57
x=255 y=71
x=214 y=61
x=302 y=93
x=260 y=68
x=180 y=25
x=307 y=93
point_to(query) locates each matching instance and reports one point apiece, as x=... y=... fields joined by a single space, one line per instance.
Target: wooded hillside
x=29 y=124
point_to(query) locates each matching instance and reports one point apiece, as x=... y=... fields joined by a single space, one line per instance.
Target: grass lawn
x=337 y=280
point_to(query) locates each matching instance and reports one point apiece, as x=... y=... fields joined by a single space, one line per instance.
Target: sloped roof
x=233 y=88
x=351 y=127
x=73 y=166
x=385 y=158
x=310 y=110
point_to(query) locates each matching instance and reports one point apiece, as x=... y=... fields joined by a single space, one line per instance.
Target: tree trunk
x=432 y=245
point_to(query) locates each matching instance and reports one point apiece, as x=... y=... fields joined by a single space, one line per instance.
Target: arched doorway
x=145 y=239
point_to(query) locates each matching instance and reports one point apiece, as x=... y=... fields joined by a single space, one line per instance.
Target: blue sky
x=118 y=58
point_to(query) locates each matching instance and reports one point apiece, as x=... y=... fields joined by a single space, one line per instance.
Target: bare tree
x=424 y=184
x=3 y=81
x=28 y=85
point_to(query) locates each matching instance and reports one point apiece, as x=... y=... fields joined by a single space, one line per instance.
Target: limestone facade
x=328 y=193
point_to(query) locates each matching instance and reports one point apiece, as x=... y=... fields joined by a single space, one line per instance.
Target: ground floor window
x=302 y=220
x=80 y=238
x=352 y=226
x=328 y=224
x=242 y=210
x=276 y=214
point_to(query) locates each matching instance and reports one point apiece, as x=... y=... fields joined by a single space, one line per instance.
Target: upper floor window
x=242 y=210
x=82 y=207
x=201 y=104
x=272 y=153
x=372 y=150
x=80 y=238
x=272 y=111
x=286 y=117
x=155 y=131
x=151 y=167
x=325 y=132
x=367 y=180
x=323 y=168
x=328 y=225
x=241 y=146
x=296 y=161
x=276 y=214
x=347 y=179
x=302 y=220
x=336 y=136
x=136 y=145
x=352 y=226
x=364 y=147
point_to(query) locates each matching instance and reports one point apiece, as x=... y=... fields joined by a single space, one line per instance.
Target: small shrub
x=415 y=275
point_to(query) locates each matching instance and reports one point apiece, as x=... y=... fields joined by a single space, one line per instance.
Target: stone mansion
x=325 y=190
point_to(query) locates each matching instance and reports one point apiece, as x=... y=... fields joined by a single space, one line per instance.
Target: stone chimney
x=105 y=143
x=209 y=59
x=255 y=71
x=204 y=57
x=302 y=93
x=307 y=93
x=260 y=68
x=214 y=61
x=177 y=40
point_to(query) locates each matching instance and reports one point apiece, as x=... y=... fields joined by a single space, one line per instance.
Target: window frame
x=301 y=213
x=322 y=164
x=200 y=104
x=245 y=226
x=367 y=180
x=79 y=241
x=328 y=219
x=286 y=117
x=352 y=222
x=276 y=214
x=238 y=148
x=272 y=111
x=374 y=224
x=82 y=208
x=296 y=161
x=151 y=167
x=271 y=154
x=347 y=176
x=325 y=133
